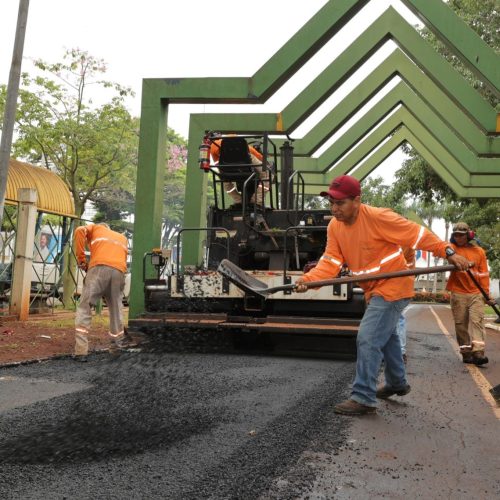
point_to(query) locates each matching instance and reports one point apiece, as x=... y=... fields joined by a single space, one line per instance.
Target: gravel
x=158 y=424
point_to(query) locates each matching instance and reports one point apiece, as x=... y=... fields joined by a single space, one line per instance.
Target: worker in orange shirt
x=369 y=240
x=231 y=189
x=105 y=278
x=409 y=255
x=467 y=303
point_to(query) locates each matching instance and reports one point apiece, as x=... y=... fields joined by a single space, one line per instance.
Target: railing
x=56 y=282
x=300 y=184
x=287 y=279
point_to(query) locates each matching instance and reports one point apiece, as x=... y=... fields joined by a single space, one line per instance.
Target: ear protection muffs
x=470 y=236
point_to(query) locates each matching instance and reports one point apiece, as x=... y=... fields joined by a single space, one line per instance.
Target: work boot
x=478 y=358
x=467 y=357
x=351 y=407
x=81 y=358
x=384 y=391
x=121 y=344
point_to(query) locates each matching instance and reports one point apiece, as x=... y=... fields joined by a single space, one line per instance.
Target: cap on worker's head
x=344 y=186
x=461 y=227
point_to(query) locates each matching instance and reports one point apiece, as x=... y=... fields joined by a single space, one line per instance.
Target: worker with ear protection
x=467 y=302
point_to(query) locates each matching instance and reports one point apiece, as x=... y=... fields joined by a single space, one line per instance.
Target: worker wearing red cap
x=370 y=240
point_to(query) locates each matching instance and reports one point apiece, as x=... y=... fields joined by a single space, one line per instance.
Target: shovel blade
x=241 y=279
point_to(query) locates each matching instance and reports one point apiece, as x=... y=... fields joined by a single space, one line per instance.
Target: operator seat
x=235 y=164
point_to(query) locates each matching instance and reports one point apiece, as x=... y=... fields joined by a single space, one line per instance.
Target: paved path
x=189 y=426
x=439 y=442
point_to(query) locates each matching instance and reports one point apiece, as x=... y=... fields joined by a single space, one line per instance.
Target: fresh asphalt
x=196 y=425
x=159 y=425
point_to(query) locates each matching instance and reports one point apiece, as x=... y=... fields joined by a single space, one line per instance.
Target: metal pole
x=286 y=189
x=9 y=116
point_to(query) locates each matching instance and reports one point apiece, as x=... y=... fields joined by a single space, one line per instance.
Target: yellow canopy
x=52 y=193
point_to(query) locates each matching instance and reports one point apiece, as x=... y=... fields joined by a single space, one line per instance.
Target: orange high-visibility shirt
x=373 y=244
x=107 y=247
x=409 y=255
x=460 y=281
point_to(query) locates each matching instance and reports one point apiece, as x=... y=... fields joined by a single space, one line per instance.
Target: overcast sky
x=192 y=38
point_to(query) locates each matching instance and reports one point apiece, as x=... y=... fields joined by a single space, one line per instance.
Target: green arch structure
x=433 y=108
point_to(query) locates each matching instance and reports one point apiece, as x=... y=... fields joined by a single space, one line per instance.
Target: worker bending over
x=105 y=278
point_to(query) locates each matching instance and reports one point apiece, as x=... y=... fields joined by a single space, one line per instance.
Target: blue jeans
x=402 y=332
x=378 y=339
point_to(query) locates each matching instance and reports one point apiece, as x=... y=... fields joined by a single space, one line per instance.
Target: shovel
x=252 y=285
x=484 y=294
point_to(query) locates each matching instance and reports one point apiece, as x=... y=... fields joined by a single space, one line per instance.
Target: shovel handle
x=481 y=289
x=380 y=276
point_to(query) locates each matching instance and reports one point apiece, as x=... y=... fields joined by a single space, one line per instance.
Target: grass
x=9 y=346
x=69 y=322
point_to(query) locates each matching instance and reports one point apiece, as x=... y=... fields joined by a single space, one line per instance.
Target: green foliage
x=93 y=148
x=483 y=16
x=418 y=179
x=377 y=194
x=483 y=217
x=174 y=186
x=9 y=221
x=418 y=183
x=112 y=205
x=438 y=297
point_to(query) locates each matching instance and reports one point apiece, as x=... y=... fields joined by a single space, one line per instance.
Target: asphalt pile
x=160 y=425
x=135 y=404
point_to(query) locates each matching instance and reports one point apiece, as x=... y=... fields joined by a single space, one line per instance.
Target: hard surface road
x=225 y=426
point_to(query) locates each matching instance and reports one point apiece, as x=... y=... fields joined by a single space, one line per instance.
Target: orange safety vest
x=107 y=247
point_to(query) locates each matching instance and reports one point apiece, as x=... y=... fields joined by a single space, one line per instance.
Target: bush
x=439 y=297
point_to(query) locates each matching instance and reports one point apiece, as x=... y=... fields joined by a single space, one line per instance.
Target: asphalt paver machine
x=259 y=220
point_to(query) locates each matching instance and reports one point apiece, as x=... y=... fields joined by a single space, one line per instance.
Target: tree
x=92 y=147
x=417 y=179
x=112 y=206
x=483 y=16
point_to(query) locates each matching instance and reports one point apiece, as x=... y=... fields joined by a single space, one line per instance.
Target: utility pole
x=9 y=116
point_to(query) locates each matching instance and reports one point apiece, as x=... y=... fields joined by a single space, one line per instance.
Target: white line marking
x=479 y=379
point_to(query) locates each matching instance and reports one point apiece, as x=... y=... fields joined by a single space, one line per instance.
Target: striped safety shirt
x=373 y=244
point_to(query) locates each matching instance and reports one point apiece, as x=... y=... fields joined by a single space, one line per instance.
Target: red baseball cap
x=344 y=186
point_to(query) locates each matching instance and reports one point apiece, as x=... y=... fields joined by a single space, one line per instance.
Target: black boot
x=467 y=357
x=478 y=358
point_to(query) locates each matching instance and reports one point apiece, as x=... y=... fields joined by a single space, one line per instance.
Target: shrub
x=439 y=297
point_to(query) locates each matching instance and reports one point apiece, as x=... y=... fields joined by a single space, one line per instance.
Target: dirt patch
x=47 y=336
